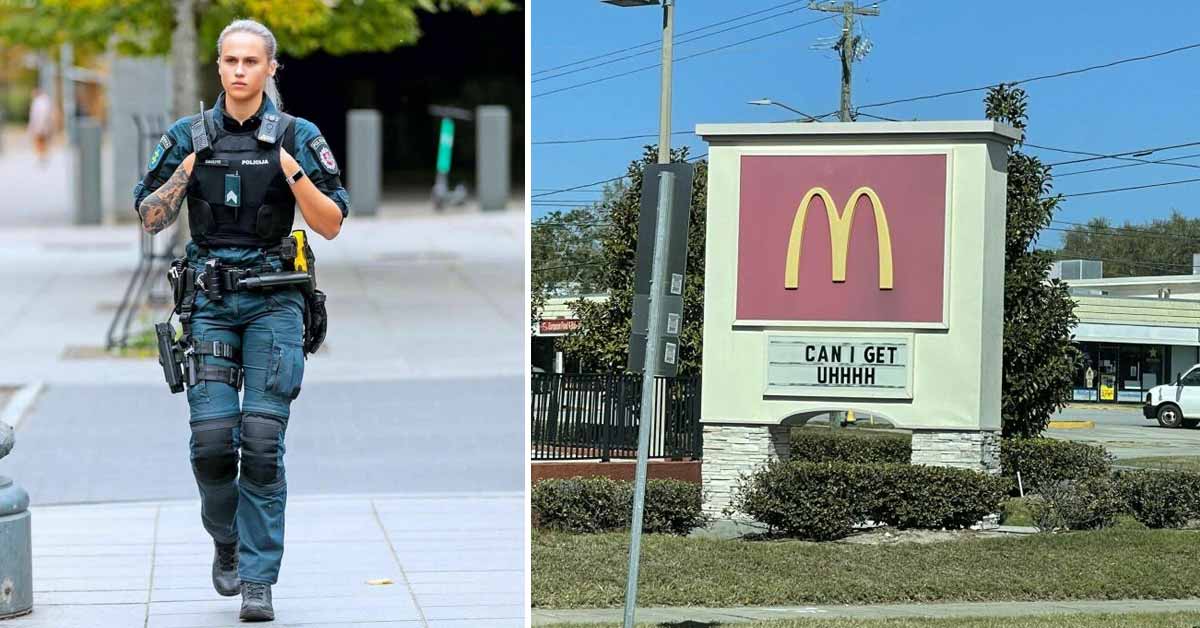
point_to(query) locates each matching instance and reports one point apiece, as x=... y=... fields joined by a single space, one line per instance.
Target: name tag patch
x=320 y=149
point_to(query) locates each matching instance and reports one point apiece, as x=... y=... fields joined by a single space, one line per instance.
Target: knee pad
x=261 y=436
x=214 y=457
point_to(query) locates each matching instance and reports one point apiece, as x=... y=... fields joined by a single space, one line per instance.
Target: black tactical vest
x=254 y=207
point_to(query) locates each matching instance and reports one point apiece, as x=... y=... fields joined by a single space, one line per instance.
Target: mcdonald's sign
x=884 y=259
x=839 y=236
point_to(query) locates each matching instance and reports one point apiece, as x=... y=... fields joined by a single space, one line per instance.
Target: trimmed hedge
x=824 y=501
x=812 y=445
x=1045 y=461
x=1160 y=499
x=599 y=504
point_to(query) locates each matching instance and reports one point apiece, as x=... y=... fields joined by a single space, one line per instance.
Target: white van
x=1177 y=404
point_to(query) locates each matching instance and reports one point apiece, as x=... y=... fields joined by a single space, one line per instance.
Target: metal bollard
x=16 y=558
x=364 y=160
x=88 y=207
x=492 y=132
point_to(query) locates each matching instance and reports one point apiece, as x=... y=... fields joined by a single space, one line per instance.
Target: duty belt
x=216 y=279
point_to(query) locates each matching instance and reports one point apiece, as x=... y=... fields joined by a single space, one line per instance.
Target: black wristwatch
x=296 y=177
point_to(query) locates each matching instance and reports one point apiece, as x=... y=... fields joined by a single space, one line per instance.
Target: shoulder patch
x=324 y=156
x=165 y=143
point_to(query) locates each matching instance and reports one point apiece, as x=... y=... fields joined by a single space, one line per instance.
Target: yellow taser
x=301 y=261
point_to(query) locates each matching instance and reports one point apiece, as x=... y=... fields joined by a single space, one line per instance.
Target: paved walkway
x=452 y=560
x=722 y=616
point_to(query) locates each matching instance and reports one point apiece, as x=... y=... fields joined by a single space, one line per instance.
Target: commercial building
x=1135 y=332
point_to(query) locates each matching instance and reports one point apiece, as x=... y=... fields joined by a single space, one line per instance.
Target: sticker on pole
x=676 y=283
x=673 y=324
x=669 y=353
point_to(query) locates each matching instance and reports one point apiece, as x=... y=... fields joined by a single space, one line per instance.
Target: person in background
x=41 y=123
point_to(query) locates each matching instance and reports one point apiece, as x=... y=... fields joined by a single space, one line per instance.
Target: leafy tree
x=1039 y=314
x=139 y=27
x=1160 y=247
x=602 y=341
x=565 y=253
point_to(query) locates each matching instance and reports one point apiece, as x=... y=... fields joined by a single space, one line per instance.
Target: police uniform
x=240 y=207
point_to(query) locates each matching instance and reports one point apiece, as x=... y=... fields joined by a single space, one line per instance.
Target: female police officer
x=243 y=166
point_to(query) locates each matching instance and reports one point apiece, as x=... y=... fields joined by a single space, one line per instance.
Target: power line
x=539 y=270
x=1169 y=161
x=1096 y=156
x=571 y=189
x=683 y=58
x=684 y=41
x=1132 y=187
x=1132 y=231
x=1126 y=261
x=655 y=42
x=606 y=139
x=1032 y=78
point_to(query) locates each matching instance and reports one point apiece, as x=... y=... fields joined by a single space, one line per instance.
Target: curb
x=19 y=405
x=1071 y=425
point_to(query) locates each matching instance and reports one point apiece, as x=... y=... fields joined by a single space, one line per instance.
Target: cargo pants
x=245 y=502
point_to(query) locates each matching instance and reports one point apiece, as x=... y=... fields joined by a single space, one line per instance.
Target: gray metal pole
x=16 y=547
x=88 y=206
x=492 y=147
x=664 y=106
x=666 y=188
x=364 y=160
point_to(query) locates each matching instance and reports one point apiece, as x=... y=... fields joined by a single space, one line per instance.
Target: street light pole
x=664 y=106
x=768 y=101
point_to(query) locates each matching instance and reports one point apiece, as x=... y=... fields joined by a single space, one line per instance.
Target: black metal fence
x=147 y=284
x=596 y=416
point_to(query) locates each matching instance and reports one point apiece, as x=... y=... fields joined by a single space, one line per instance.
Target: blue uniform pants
x=237 y=445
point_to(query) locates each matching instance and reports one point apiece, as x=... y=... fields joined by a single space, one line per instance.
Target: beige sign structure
x=853 y=266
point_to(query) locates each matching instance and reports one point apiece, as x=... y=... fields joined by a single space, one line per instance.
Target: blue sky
x=919 y=47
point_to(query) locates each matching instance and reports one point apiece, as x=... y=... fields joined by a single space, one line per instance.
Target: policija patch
x=164 y=144
x=320 y=149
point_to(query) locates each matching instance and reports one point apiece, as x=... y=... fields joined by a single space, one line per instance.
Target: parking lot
x=1125 y=433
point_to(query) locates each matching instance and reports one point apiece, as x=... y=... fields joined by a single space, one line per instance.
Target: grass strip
x=588 y=570
x=1073 y=620
x=1168 y=463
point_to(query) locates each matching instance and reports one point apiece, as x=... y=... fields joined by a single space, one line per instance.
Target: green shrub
x=929 y=497
x=818 y=501
x=824 y=500
x=814 y=445
x=1044 y=461
x=1088 y=504
x=600 y=504
x=1160 y=499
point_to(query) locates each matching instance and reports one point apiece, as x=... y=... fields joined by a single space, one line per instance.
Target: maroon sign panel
x=558 y=326
x=851 y=238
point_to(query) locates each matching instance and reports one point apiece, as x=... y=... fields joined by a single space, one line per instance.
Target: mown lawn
x=588 y=571
x=1175 y=463
x=1074 y=620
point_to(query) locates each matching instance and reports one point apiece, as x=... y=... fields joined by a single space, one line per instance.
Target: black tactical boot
x=225 y=573
x=256 y=602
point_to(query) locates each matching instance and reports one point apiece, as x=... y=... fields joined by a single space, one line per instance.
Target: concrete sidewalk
x=742 y=615
x=453 y=560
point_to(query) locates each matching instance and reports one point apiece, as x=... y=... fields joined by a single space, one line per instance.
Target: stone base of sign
x=965 y=449
x=734 y=450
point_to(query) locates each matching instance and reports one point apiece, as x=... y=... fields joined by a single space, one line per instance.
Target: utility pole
x=845 y=43
x=664 y=105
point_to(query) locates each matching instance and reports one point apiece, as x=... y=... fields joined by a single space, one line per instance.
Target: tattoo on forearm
x=161 y=208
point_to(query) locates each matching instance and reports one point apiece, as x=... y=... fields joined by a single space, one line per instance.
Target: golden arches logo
x=839 y=236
